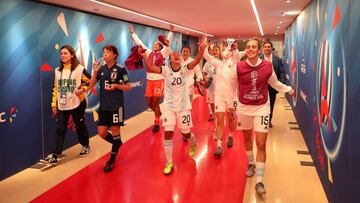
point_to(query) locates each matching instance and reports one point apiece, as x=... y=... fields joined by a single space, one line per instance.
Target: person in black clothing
x=113 y=81
x=279 y=71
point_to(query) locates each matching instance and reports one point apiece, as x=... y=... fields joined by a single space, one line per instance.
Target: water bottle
x=100 y=62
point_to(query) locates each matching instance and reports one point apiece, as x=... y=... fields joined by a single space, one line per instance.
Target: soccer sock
x=250 y=156
x=219 y=142
x=115 y=147
x=168 y=147
x=109 y=138
x=259 y=170
x=230 y=134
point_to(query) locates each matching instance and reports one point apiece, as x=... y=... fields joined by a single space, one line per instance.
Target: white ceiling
x=221 y=18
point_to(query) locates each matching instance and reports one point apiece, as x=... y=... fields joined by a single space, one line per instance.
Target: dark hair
x=257 y=41
x=161 y=46
x=74 y=60
x=268 y=42
x=185 y=47
x=111 y=48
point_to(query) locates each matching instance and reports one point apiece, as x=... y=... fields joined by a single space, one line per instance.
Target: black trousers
x=62 y=119
x=272 y=102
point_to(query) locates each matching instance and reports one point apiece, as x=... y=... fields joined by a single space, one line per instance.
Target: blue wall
x=321 y=58
x=30 y=36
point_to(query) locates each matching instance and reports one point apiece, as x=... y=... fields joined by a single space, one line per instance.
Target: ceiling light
x=288 y=1
x=276 y=33
x=291 y=13
x=257 y=16
x=281 y=22
x=149 y=17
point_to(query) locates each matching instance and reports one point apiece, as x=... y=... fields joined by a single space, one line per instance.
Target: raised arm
x=136 y=39
x=202 y=46
x=211 y=59
x=166 y=50
x=170 y=34
x=226 y=53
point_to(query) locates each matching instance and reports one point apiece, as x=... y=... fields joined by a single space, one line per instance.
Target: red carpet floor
x=138 y=174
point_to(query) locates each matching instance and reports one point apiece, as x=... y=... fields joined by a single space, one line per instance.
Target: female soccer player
x=210 y=75
x=254 y=75
x=155 y=82
x=225 y=92
x=177 y=106
x=113 y=82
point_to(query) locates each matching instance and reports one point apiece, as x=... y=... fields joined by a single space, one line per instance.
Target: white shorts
x=210 y=98
x=260 y=123
x=182 y=118
x=223 y=106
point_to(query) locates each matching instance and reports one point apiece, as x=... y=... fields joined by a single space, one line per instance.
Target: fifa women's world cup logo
x=330 y=94
x=331 y=86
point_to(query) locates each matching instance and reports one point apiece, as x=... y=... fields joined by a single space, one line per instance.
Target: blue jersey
x=111 y=100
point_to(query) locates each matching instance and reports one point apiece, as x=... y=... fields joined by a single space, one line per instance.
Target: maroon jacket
x=253 y=82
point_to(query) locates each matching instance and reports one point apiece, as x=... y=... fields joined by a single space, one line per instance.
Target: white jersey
x=176 y=90
x=226 y=77
x=210 y=70
x=196 y=71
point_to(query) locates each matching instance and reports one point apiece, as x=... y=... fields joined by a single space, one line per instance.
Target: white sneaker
x=84 y=151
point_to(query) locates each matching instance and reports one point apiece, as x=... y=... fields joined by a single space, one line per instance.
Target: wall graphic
x=31 y=35
x=20 y=106
x=353 y=100
x=318 y=66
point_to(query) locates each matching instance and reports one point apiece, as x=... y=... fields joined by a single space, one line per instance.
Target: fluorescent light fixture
x=291 y=13
x=257 y=16
x=149 y=17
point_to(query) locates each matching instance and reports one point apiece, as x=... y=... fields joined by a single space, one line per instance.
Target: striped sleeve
x=54 y=94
